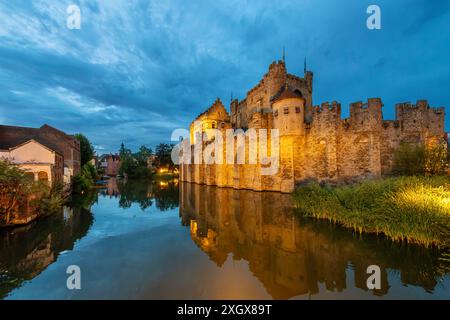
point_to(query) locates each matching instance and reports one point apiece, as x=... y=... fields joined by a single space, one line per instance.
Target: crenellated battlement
x=405 y=108
x=326 y=107
x=373 y=105
x=419 y=116
x=367 y=116
x=315 y=143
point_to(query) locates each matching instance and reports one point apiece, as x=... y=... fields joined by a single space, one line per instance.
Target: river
x=165 y=240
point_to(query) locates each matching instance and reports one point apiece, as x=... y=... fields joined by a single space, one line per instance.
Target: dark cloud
x=139 y=69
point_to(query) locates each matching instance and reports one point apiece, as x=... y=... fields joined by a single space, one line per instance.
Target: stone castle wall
x=315 y=142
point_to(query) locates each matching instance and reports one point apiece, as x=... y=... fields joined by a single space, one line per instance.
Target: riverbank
x=23 y=200
x=412 y=209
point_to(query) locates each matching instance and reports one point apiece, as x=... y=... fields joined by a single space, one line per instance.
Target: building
x=110 y=164
x=46 y=153
x=315 y=143
x=41 y=162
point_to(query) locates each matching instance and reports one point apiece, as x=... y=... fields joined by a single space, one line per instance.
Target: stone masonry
x=315 y=142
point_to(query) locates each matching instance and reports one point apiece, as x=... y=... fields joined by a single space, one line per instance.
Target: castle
x=315 y=143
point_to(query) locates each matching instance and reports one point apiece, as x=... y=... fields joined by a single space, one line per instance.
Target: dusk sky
x=136 y=70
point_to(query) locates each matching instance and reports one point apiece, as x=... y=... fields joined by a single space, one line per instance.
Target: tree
x=135 y=165
x=85 y=180
x=86 y=149
x=142 y=155
x=163 y=154
x=15 y=186
x=437 y=161
x=127 y=161
x=420 y=159
x=409 y=160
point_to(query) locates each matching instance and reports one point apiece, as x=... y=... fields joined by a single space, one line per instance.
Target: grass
x=412 y=209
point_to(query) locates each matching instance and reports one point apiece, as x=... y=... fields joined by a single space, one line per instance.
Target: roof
x=216 y=104
x=286 y=92
x=12 y=136
x=32 y=140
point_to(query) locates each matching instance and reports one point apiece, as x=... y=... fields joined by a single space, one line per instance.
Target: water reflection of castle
x=292 y=257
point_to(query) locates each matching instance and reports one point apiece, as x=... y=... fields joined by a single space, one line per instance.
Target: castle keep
x=315 y=143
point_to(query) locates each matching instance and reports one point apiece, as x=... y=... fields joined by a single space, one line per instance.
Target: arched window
x=42 y=176
x=30 y=175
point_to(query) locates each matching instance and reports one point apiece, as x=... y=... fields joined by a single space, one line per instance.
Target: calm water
x=164 y=241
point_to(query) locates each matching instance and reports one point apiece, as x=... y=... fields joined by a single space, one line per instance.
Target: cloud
x=139 y=69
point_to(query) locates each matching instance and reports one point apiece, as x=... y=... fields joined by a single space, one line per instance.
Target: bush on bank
x=85 y=180
x=413 y=209
x=19 y=191
x=419 y=159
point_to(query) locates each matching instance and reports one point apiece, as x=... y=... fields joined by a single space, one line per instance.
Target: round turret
x=288 y=111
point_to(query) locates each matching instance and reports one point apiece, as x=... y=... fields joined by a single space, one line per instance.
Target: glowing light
x=163 y=184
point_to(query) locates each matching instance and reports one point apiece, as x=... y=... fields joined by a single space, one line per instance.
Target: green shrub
x=49 y=200
x=89 y=171
x=415 y=209
x=412 y=160
x=84 y=181
x=16 y=188
x=81 y=184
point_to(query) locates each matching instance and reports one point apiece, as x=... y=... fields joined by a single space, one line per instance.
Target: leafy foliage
x=416 y=209
x=135 y=165
x=86 y=149
x=17 y=188
x=163 y=155
x=412 y=160
x=84 y=181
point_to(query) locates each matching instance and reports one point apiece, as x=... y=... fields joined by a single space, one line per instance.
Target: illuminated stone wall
x=315 y=142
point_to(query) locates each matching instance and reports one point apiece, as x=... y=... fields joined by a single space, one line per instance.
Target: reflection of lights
x=193 y=226
x=163 y=170
x=163 y=184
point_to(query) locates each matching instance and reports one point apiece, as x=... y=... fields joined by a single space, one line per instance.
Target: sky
x=138 y=69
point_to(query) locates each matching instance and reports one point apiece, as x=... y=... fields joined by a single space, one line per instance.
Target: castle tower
x=288 y=107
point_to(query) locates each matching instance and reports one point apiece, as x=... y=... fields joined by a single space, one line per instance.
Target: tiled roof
x=11 y=136
x=286 y=92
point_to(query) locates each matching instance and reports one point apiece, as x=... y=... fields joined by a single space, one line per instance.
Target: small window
x=275 y=113
x=42 y=176
x=214 y=125
x=297 y=110
x=286 y=110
